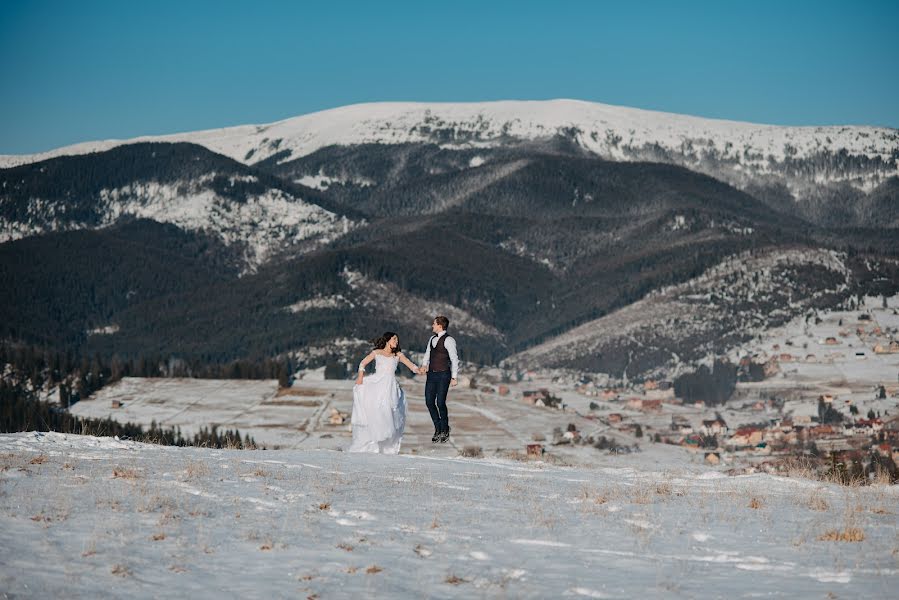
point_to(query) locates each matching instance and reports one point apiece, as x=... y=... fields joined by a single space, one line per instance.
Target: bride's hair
x=381 y=342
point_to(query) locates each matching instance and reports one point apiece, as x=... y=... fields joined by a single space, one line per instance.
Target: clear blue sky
x=76 y=71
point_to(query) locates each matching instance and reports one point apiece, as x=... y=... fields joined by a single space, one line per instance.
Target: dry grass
x=346 y=547
x=818 y=503
x=261 y=473
x=755 y=503
x=373 y=569
x=472 y=452
x=158 y=537
x=324 y=506
x=848 y=534
x=123 y=473
x=39 y=459
x=298 y=392
x=120 y=571
x=454 y=580
x=196 y=469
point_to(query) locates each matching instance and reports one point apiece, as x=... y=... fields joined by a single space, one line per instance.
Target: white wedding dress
x=379 y=410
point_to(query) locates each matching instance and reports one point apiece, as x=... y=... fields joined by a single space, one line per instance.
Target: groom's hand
x=453 y=382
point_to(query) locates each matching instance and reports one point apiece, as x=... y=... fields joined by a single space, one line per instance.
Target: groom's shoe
x=444 y=435
x=437 y=434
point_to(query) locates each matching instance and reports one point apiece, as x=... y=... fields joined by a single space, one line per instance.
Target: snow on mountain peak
x=612 y=132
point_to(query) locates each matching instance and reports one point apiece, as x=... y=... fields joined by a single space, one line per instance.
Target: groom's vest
x=439 y=358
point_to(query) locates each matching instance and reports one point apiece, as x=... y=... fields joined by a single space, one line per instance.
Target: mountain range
x=532 y=225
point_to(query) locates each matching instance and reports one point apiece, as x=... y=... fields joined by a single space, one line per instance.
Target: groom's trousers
x=436 y=389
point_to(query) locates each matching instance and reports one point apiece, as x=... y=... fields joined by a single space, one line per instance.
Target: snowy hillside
x=251 y=213
x=672 y=328
x=735 y=149
x=98 y=517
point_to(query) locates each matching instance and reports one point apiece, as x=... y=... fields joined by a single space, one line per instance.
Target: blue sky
x=76 y=71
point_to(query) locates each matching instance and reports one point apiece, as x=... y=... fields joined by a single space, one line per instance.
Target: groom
x=441 y=362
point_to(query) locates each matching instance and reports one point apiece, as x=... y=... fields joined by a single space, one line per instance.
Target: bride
x=379 y=403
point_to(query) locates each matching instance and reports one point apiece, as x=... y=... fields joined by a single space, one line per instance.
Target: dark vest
x=439 y=359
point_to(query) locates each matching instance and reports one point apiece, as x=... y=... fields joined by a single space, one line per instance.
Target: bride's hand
x=359 y=379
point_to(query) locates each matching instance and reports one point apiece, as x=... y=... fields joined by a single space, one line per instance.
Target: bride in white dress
x=379 y=403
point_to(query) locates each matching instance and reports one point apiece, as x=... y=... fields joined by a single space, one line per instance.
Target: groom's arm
x=450 y=345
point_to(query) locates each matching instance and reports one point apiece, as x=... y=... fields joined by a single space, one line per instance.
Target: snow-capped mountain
x=738 y=152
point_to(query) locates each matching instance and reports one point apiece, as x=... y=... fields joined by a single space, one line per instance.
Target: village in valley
x=824 y=388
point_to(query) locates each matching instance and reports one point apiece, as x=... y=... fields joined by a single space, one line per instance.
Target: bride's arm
x=364 y=362
x=407 y=362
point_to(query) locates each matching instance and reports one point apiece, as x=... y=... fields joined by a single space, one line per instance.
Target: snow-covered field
x=299 y=417
x=96 y=517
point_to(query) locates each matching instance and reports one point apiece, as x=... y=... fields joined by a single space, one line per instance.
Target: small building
x=785 y=357
x=713 y=427
x=534 y=396
x=117 y=404
x=651 y=405
x=534 y=450
x=503 y=390
x=831 y=341
x=615 y=418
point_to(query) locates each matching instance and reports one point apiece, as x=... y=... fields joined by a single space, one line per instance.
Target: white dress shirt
x=450 y=345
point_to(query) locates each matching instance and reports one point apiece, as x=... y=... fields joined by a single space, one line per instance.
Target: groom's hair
x=442 y=321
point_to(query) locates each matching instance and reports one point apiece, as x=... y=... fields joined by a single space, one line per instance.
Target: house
x=534 y=450
x=649 y=385
x=503 y=390
x=713 y=427
x=652 y=405
x=615 y=418
x=117 y=404
x=534 y=396
x=746 y=436
x=811 y=358
x=826 y=398
x=831 y=341
x=820 y=430
x=865 y=427
x=681 y=424
x=785 y=357
x=635 y=403
x=712 y=458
